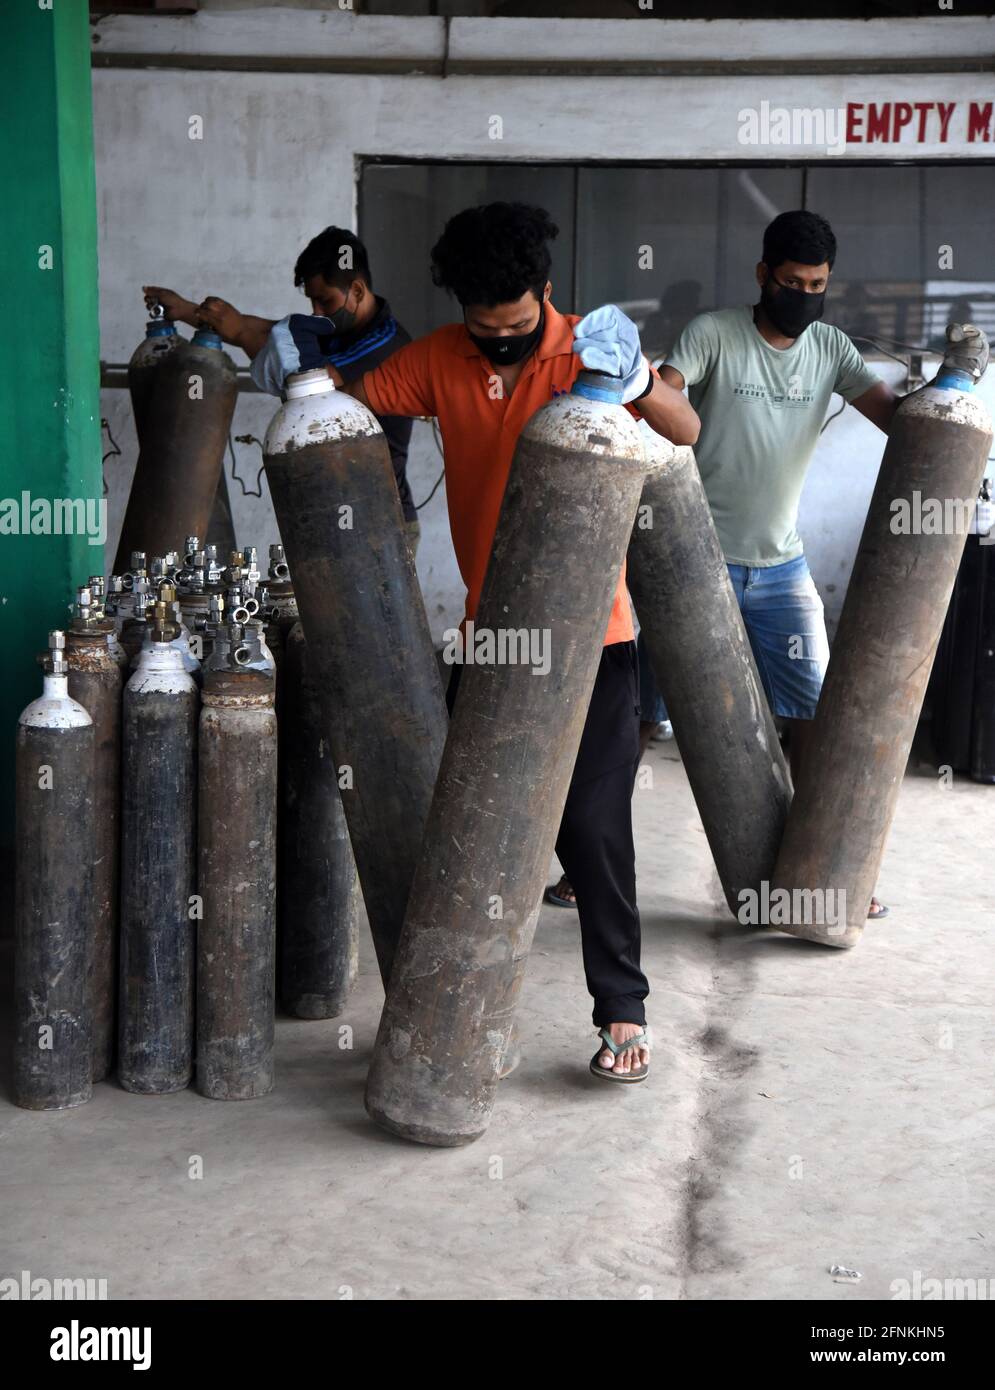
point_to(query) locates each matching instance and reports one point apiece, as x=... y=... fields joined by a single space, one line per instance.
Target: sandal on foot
x=876 y=916
x=552 y=896
x=638 y=1073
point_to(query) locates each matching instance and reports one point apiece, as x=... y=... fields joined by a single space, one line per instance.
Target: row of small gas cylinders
x=150 y=825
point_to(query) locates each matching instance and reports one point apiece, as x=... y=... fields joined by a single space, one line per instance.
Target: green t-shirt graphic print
x=761 y=410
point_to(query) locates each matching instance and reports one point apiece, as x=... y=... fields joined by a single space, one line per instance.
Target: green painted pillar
x=51 y=480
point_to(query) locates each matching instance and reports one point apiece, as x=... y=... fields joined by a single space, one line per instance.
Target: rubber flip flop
x=876 y=916
x=628 y=1078
x=551 y=896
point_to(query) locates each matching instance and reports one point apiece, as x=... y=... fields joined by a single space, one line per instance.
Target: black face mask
x=503 y=352
x=343 y=320
x=790 y=311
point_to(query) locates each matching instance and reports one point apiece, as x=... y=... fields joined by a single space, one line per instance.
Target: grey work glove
x=967 y=350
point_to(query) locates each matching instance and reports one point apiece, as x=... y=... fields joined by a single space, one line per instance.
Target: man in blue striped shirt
x=333 y=271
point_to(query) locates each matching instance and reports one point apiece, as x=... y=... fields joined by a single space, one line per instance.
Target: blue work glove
x=967 y=350
x=297 y=343
x=607 y=341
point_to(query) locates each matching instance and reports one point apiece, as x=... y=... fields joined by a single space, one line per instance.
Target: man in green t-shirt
x=760 y=379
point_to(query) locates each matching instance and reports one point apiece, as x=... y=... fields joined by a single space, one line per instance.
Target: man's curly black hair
x=494 y=254
x=800 y=236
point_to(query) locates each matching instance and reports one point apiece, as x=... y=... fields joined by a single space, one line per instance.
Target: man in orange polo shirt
x=482 y=379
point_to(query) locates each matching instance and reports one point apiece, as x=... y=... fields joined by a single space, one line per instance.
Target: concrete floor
x=805 y=1107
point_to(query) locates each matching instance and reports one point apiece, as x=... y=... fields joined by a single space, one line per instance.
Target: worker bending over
x=482 y=378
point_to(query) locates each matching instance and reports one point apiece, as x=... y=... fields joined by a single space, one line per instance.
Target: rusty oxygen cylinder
x=237 y=869
x=506 y=768
x=704 y=666
x=879 y=666
x=186 y=421
x=319 y=940
x=161 y=339
x=158 y=866
x=368 y=638
x=95 y=680
x=54 y=900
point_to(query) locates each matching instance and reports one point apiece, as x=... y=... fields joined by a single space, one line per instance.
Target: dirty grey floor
x=806 y=1106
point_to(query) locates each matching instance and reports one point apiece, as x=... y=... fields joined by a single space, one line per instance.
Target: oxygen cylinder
x=161 y=339
x=186 y=419
x=317 y=881
x=237 y=870
x=54 y=901
x=368 y=638
x=704 y=666
x=506 y=769
x=158 y=868
x=94 y=681
x=880 y=662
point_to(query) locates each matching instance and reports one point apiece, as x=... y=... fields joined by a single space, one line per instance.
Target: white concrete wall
x=225 y=214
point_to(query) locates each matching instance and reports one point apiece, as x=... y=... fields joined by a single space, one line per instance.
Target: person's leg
x=653 y=713
x=768 y=632
x=596 y=850
x=785 y=622
x=595 y=847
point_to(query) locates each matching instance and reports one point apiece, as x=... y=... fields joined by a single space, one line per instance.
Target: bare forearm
x=178 y=309
x=252 y=334
x=878 y=405
x=245 y=331
x=670 y=413
x=188 y=313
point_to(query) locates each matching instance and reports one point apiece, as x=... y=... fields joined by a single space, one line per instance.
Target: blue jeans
x=785 y=622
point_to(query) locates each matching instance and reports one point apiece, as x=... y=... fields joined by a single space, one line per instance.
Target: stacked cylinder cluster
x=158 y=790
